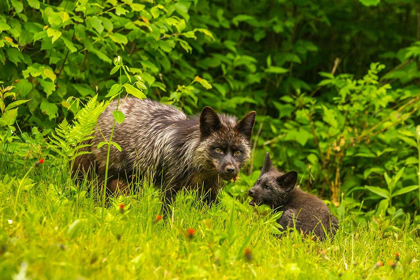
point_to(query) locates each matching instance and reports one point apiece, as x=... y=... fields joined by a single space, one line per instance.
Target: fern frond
x=69 y=139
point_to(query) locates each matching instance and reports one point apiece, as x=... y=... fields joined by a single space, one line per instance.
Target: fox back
x=306 y=212
x=161 y=143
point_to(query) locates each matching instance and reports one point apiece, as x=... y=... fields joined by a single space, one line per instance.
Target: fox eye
x=237 y=153
x=258 y=181
x=218 y=150
x=267 y=187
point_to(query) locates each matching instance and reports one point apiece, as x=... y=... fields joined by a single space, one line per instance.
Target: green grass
x=58 y=231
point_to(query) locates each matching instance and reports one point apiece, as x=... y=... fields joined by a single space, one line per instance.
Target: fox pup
x=305 y=211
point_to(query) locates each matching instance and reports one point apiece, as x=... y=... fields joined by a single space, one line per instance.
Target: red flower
x=122 y=208
x=379 y=263
x=248 y=254
x=323 y=252
x=397 y=257
x=158 y=217
x=41 y=160
x=190 y=233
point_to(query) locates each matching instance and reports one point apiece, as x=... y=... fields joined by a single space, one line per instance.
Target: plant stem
x=20 y=186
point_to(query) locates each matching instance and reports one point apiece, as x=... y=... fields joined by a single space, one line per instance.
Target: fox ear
x=268 y=165
x=246 y=125
x=209 y=122
x=288 y=181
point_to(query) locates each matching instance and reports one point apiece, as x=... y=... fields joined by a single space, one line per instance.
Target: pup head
x=225 y=142
x=272 y=187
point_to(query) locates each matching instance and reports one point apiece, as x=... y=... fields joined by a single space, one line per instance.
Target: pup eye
x=258 y=181
x=237 y=153
x=218 y=150
x=267 y=187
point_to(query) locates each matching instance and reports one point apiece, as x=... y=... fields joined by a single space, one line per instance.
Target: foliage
x=66 y=228
x=288 y=60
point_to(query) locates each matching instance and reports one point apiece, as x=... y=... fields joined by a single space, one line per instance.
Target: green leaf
x=97 y=24
x=369 y=3
x=15 y=56
x=118 y=116
x=116 y=145
x=133 y=91
x=119 y=38
x=276 y=70
x=382 y=206
x=50 y=109
x=23 y=87
x=381 y=192
x=4 y=26
x=101 y=144
x=50 y=74
x=49 y=87
x=55 y=34
x=203 y=82
x=84 y=89
x=411 y=160
x=75 y=229
x=17 y=5
x=115 y=89
x=329 y=117
x=69 y=44
x=34 y=4
x=101 y=56
x=15 y=104
x=9 y=117
x=405 y=190
x=396 y=178
x=241 y=18
x=408 y=141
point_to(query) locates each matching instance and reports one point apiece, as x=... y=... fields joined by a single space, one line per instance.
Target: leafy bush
x=346 y=134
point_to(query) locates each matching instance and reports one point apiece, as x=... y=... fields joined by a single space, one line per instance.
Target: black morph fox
x=305 y=211
x=161 y=143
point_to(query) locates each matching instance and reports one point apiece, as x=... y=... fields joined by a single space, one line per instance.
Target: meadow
x=53 y=229
x=335 y=85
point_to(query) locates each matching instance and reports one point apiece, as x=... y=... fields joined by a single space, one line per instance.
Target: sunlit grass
x=58 y=231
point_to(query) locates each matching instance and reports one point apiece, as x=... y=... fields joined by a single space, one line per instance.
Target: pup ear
x=268 y=165
x=288 y=181
x=209 y=122
x=246 y=125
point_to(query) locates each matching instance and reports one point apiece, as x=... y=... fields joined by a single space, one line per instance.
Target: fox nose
x=251 y=192
x=230 y=169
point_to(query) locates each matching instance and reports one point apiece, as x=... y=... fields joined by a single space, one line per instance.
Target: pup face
x=272 y=187
x=225 y=142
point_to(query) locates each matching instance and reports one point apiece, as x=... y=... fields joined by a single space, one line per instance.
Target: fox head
x=272 y=187
x=224 y=142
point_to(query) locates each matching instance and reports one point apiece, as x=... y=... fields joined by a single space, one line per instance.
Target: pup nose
x=251 y=192
x=230 y=169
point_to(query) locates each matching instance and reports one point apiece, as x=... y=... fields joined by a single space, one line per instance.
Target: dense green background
x=335 y=83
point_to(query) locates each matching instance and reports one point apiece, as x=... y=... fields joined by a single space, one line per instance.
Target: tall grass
x=55 y=230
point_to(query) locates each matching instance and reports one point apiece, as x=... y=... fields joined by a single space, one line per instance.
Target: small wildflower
x=397 y=257
x=392 y=264
x=122 y=208
x=248 y=254
x=41 y=161
x=158 y=218
x=190 y=233
x=378 y=264
x=323 y=252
